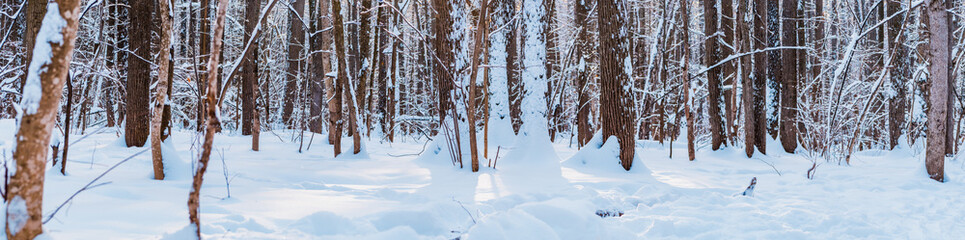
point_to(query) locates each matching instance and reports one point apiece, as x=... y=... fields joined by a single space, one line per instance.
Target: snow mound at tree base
x=605 y=157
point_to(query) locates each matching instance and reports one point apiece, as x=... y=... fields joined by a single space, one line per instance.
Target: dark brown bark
x=136 y=124
x=205 y=49
x=296 y=39
x=584 y=50
x=442 y=26
x=774 y=66
x=616 y=101
x=552 y=61
x=711 y=57
x=342 y=76
x=899 y=74
x=756 y=115
x=33 y=15
x=26 y=188
x=789 y=77
x=249 y=66
x=513 y=70
x=728 y=69
x=685 y=70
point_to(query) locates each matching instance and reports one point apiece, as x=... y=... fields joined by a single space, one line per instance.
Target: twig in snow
x=467 y=210
x=91 y=185
x=413 y=154
x=224 y=167
x=772 y=166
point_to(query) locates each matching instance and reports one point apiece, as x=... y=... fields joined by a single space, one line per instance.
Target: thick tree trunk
x=711 y=57
x=938 y=91
x=136 y=125
x=33 y=15
x=616 y=113
x=161 y=90
x=774 y=66
x=789 y=78
x=42 y=90
x=442 y=26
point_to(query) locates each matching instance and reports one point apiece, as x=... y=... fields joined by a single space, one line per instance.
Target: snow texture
x=16 y=214
x=50 y=33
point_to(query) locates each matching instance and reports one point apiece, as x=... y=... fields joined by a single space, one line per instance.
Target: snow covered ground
x=393 y=193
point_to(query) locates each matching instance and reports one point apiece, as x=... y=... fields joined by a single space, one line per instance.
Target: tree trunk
x=552 y=60
x=335 y=105
x=616 y=113
x=136 y=125
x=789 y=78
x=442 y=26
x=296 y=39
x=513 y=71
x=756 y=114
x=583 y=75
x=899 y=74
x=774 y=66
x=212 y=118
x=249 y=65
x=711 y=57
x=42 y=90
x=205 y=50
x=161 y=91
x=938 y=69
x=729 y=69
x=33 y=15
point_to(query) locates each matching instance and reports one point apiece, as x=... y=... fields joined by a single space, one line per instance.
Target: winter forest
x=482 y=119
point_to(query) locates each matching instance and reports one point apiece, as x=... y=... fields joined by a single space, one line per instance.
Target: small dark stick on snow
x=750 y=189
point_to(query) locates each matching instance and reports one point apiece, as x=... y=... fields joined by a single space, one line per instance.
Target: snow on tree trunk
x=685 y=69
x=213 y=121
x=296 y=39
x=714 y=85
x=42 y=90
x=534 y=69
x=583 y=75
x=789 y=78
x=616 y=99
x=161 y=90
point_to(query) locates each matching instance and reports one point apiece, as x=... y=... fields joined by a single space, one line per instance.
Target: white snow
x=50 y=33
x=278 y=193
x=16 y=214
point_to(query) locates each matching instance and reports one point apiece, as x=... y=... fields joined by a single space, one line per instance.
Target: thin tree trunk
x=249 y=65
x=729 y=69
x=583 y=75
x=212 y=118
x=44 y=84
x=685 y=70
x=774 y=66
x=161 y=90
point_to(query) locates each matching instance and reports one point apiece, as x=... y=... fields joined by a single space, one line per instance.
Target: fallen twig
x=91 y=185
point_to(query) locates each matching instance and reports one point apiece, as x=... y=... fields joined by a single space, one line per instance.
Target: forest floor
x=392 y=193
